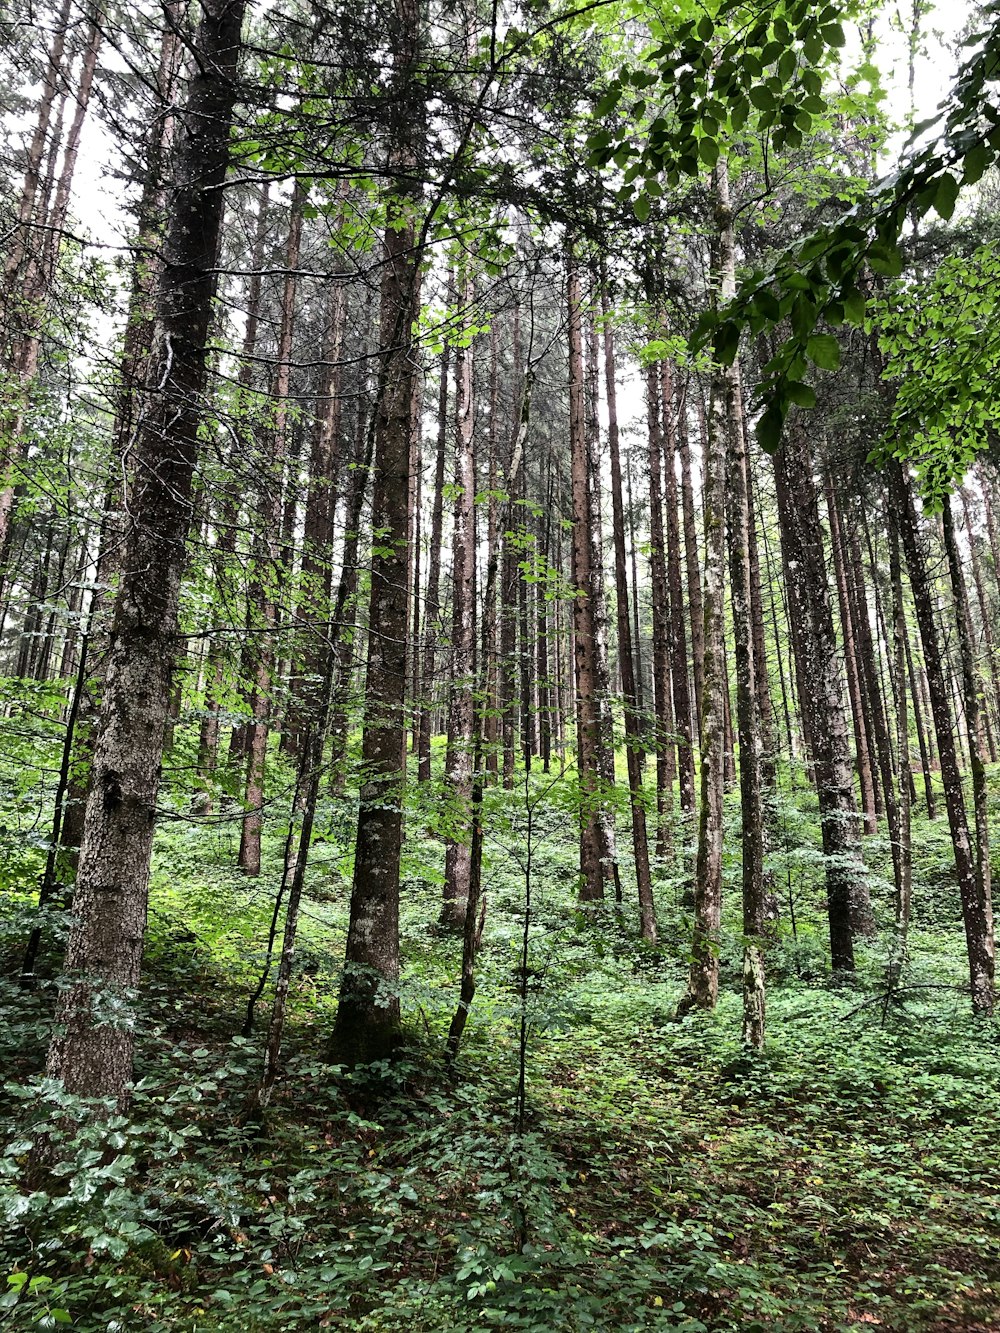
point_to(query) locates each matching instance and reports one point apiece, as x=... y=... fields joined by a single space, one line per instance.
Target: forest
x=499 y=665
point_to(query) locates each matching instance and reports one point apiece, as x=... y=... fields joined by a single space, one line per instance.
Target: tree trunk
x=661 y=616
x=858 y=713
x=91 y=1056
x=809 y=595
x=432 y=606
x=973 y=889
x=461 y=703
x=588 y=720
x=633 y=726
x=367 y=1020
x=268 y=554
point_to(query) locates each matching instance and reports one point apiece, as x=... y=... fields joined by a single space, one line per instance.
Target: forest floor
x=662 y=1179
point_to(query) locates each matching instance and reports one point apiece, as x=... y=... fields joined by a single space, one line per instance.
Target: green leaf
x=946 y=195
x=770 y=427
x=975 y=163
x=823 y=350
x=854 y=306
x=640 y=207
x=803 y=395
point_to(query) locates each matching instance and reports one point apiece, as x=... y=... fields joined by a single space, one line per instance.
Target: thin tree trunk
x=847 y=890
x=461 y=702
x=633 y=725
x=432 y=607
x=268 y=555
x=588 y=720
x=858 y=712
x=661 y=615
x=973 y=889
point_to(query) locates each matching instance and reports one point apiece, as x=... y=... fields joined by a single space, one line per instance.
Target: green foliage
x=942 y=348
x=664 y=1179
x=823 y=279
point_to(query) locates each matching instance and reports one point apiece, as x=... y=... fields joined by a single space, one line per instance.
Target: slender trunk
x=973 y=888
x=986 y=621
x=368 y=1014
x=633 y=724
x=269 y=555
x=461 y=703
x=661 y=616
x=691 y=564
x=432 y=608
x=588 y=720
x=903 y=858
x=678 y=638
x=802 y=537
x=973 y=715
x=858 y=713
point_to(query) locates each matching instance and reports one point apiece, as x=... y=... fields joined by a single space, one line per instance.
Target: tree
x=91 y=1052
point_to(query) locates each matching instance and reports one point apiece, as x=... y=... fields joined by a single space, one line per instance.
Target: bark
x=91 y=1055
x=691 y=564
x=661 y=615
x=678 y=638
x=870 y=658
x=858 y=712
x=918 y=721
x=632 y=707
x=317 y=537
x=588 y=719
x=130 y=409
x=973 y=889
x=432 y=608
x=367 y=1022
x=809 y=597
x=902 y=860
x=973 y=713
x=268 y=556
x=461 y=703
x=986 y=622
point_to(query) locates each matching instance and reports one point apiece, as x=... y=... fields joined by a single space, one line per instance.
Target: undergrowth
x=663 y=1179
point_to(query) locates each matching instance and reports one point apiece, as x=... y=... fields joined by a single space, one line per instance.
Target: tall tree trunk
x=973 y=889
x=802 y=538
x=858 y=712
x=661 y=615
x=902 y=860
x=268 y=554
x=986 y=621
x=703 y=976
x=432 y=608
x=692 y=567
x=973 y=714
x=461 y=703
x=367 y=1020
x=588 y=720
x=633 y=726
x=90 y=1056
x=678 y=638
x=755 y=909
